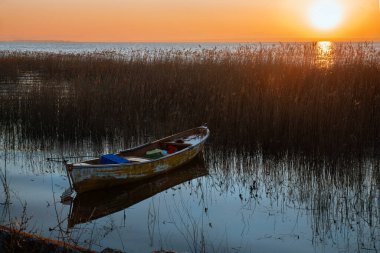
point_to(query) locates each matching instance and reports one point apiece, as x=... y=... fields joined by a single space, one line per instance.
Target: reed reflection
x=339 y=196
x=335 y=200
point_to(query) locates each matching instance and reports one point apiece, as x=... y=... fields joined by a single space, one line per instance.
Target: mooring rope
x=64 y=159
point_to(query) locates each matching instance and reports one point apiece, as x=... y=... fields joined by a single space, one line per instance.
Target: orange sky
x=181 y=20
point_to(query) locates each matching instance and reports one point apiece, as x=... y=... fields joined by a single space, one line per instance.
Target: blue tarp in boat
x=112 y=159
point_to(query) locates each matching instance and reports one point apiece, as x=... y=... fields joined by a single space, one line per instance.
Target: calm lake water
x=80 y=47
x=243 y=203
x=231 y=201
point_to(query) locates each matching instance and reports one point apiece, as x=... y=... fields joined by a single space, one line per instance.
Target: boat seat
x=137 y=159
x=177 y=144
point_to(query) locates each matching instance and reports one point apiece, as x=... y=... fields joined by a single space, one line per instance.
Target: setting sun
x=326 y=15
x=189 y=21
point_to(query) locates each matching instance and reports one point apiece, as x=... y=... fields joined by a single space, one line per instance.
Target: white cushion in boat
x=137 y=159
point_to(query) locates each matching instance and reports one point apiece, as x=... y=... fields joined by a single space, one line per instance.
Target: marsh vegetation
x=290 y=97
x=295 y=142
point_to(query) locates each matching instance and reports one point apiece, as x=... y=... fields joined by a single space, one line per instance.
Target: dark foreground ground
x=12 y=240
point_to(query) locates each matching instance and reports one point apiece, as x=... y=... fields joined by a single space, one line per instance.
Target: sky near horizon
x=189 y=20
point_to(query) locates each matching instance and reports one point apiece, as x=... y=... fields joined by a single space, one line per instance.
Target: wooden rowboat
x=92 y=205
x=137 y=163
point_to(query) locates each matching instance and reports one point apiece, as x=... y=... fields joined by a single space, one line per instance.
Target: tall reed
x=274 y=98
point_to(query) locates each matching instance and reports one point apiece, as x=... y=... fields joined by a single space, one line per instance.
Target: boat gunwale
x=82 y=164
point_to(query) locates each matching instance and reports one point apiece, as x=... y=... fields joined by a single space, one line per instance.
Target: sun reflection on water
x=324 y=54
x=324 y=47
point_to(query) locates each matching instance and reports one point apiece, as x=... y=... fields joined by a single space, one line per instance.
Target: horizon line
x=205 y=41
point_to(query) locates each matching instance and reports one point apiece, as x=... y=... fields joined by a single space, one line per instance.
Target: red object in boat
x=171 y=149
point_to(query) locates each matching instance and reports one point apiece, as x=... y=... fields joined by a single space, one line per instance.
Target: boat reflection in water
x=93 y=205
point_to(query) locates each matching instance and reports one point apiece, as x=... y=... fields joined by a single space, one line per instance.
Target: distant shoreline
x=86 y=47
x=192 y=42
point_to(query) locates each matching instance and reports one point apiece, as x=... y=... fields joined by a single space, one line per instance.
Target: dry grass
x=275 y=98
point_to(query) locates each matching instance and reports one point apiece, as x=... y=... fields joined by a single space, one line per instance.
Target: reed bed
x=273 y=98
